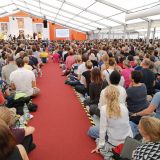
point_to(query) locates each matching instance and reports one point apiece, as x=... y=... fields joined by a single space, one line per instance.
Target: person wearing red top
x=126 y=73
x=70 y=60
x=2 y=99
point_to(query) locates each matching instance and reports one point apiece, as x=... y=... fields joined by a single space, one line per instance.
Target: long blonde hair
x=151 y=127
x=113 y=107
x=105 y=59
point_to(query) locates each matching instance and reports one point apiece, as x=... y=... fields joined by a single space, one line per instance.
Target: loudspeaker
x=45 y=23
x=99 y=29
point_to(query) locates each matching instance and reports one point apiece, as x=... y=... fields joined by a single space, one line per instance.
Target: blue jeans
x=93 y=132
x=134 y=128
x=157 y=115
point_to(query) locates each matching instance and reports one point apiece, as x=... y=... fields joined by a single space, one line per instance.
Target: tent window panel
x=131 y=4
x=52 y=3
x=65 y=14
x=90 y=16
x=81 y=19
x=82 y=3
x=108 y=22
x=103 y=9
x=71 y=9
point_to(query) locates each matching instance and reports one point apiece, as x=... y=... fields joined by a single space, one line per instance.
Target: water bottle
x=86 y=96
x=26 y=112
x=21 y=123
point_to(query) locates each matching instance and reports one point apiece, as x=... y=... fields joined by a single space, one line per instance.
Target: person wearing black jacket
x=95 y=88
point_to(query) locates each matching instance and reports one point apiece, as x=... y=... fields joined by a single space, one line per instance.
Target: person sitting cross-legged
x=83 y=87
x=154 y=106
x=114 y=80
x=136 y=95
x=114 y=121
x=95 y=87
x=23 y=80
x=9 y=68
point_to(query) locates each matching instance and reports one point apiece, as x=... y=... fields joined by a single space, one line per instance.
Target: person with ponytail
x=114 y=120
x=105 y=59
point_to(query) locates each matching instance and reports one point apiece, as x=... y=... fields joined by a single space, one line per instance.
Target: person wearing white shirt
x=114 y=120
x=107 y=72
x=82 y=67
x=23 y=80
x=112 y=67
x=114 y=80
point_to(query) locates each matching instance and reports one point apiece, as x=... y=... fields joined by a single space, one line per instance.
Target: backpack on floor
x=117 y=151
x=124 y=152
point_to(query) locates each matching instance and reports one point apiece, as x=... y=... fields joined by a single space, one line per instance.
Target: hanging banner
x=20 y=22
x=39 y=28
x=4 y=27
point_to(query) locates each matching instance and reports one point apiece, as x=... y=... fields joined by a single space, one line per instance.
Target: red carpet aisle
x=61 y=123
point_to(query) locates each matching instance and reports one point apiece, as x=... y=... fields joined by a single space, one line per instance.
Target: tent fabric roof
x=84 y=15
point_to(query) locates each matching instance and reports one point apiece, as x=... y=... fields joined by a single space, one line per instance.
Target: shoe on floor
x=32 y=147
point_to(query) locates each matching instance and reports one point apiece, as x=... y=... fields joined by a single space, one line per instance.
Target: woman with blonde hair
x=26 y=63
x=149 y=128
x=105 y=59
x=114 y=120
x=111 y=67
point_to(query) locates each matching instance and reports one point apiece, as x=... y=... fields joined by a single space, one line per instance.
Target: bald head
x=10 y=58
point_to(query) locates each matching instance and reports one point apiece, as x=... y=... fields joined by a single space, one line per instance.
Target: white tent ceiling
x=84 y=15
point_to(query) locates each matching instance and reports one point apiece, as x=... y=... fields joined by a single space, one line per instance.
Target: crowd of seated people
x=20 y=66
x=115 y=79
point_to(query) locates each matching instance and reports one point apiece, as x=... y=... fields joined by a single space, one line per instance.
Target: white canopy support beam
x=154 y=33
x=99 y=35
x=6 y=5
x=112 y=5
x=109 y=34
x=113 y=35
x=144 y=13
x=148 y=31
x=128 y=35
x=124 y=32
x=5 y=12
